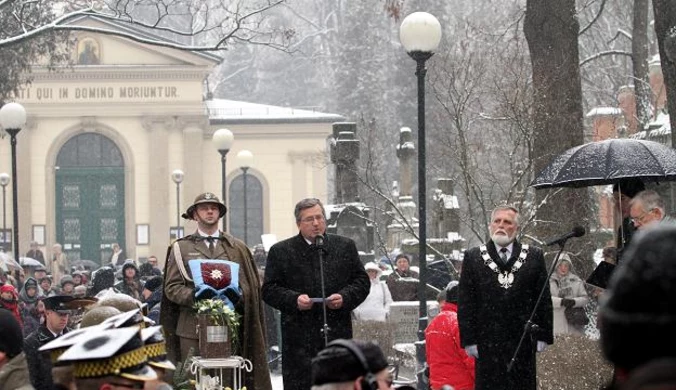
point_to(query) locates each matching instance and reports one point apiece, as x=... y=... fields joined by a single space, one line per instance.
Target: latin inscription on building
x=136 y=92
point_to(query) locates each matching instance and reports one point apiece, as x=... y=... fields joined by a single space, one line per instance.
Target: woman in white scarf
x=376 y=307
x=567 y=289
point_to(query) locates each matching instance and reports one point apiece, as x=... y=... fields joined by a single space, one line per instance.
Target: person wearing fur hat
x=130 y=283
x=13 y=366
x=178 y=315
x=637 y=316
x=102 y=279
x=9 y=300
x=350 y=365
x=448 y=362
x=568 y=292
x=376 y=306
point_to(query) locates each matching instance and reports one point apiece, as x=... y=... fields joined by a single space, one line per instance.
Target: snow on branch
x=210 y=25
x=603 y=54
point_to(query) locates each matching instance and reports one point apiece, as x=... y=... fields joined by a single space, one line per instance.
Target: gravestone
x=404 y=316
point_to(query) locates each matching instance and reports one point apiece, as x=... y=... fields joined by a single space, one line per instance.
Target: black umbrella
x=606 y=162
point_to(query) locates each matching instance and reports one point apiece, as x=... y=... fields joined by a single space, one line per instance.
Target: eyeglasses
x=641 y=217
x=318 y=218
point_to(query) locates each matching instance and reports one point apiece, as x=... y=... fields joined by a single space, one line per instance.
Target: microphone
x=578 y=231
x=319 y=241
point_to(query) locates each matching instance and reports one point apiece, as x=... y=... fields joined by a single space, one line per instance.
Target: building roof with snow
x=222 y=111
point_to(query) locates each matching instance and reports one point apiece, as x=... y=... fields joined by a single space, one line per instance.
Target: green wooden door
x=90 y=198
x=90 y=211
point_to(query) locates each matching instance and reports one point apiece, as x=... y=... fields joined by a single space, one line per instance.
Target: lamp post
x=4 y=180
x=222 y=140
x=12 y=119
x=177 y=177
x=420 y=34
x=245 y=159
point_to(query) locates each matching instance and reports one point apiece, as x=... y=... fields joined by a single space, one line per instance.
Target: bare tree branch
x=596 y=17
x=214 y=24
x=603 y=54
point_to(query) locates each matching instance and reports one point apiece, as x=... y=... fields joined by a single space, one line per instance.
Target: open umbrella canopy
x=605 y=162
x=29 y=262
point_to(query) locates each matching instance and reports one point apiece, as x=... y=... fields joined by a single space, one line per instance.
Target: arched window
x=254 y=206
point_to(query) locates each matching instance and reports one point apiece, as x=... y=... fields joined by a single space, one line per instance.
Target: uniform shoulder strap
x=179 y=262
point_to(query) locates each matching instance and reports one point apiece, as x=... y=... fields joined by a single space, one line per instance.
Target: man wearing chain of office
x=192 y=257
x=499 y=286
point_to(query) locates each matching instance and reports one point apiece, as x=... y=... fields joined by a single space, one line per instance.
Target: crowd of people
x=504 y=309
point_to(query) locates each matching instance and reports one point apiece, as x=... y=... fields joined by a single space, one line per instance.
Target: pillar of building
x=158 y=175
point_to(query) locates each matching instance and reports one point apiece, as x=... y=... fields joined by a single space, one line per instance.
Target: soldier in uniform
x=57 y=313
x=179 y=290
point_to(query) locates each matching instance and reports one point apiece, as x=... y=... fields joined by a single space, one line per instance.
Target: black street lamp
x=4 y=180
x=12 y=119
x=420 y=34
x=222 y=140
x=245 y=159
x=177 y=177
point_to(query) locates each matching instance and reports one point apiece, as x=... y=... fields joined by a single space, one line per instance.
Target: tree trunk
x=551 y=30
x=665 y=20
x=639 y=61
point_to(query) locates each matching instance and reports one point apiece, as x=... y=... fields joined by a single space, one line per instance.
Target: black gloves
x=236 y=299
x=566 y=302
x=206 y=294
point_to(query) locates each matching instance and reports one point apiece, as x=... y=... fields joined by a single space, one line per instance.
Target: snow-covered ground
x=277 y=381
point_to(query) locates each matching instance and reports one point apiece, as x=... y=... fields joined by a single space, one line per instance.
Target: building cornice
x=99 y=74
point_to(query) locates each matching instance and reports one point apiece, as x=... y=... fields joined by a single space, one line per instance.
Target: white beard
x=501 y=239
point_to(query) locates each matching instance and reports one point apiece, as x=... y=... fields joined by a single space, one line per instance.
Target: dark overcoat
x=180 y=319
x=493 y=317
x=39 y=363
x=292 y=270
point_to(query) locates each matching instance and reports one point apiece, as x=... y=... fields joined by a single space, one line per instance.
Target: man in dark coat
x=497 y=294
x=56 y=319
x=292 y=284
x=178 y=316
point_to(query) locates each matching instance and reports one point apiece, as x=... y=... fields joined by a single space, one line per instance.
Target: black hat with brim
x=58 y=303
x=115 y=352
x=204 y=198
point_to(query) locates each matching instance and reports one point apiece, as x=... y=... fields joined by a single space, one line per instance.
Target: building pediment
x=104 y=48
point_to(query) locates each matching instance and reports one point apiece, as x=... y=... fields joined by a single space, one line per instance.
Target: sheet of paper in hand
x=212 y=277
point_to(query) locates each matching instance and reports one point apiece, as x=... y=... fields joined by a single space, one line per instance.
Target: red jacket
x=449 y=364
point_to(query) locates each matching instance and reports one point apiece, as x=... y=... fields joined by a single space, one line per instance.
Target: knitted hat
x=9 y=288
x=11 y=338
x=638 y=316
x=452 y=291
x=153 y=283
x=336 y=363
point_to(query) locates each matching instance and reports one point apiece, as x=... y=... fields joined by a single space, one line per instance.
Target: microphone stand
x=530 y=326
x=319 y=244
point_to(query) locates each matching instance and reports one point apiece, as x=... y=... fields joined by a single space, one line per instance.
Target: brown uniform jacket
x=179 y=294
